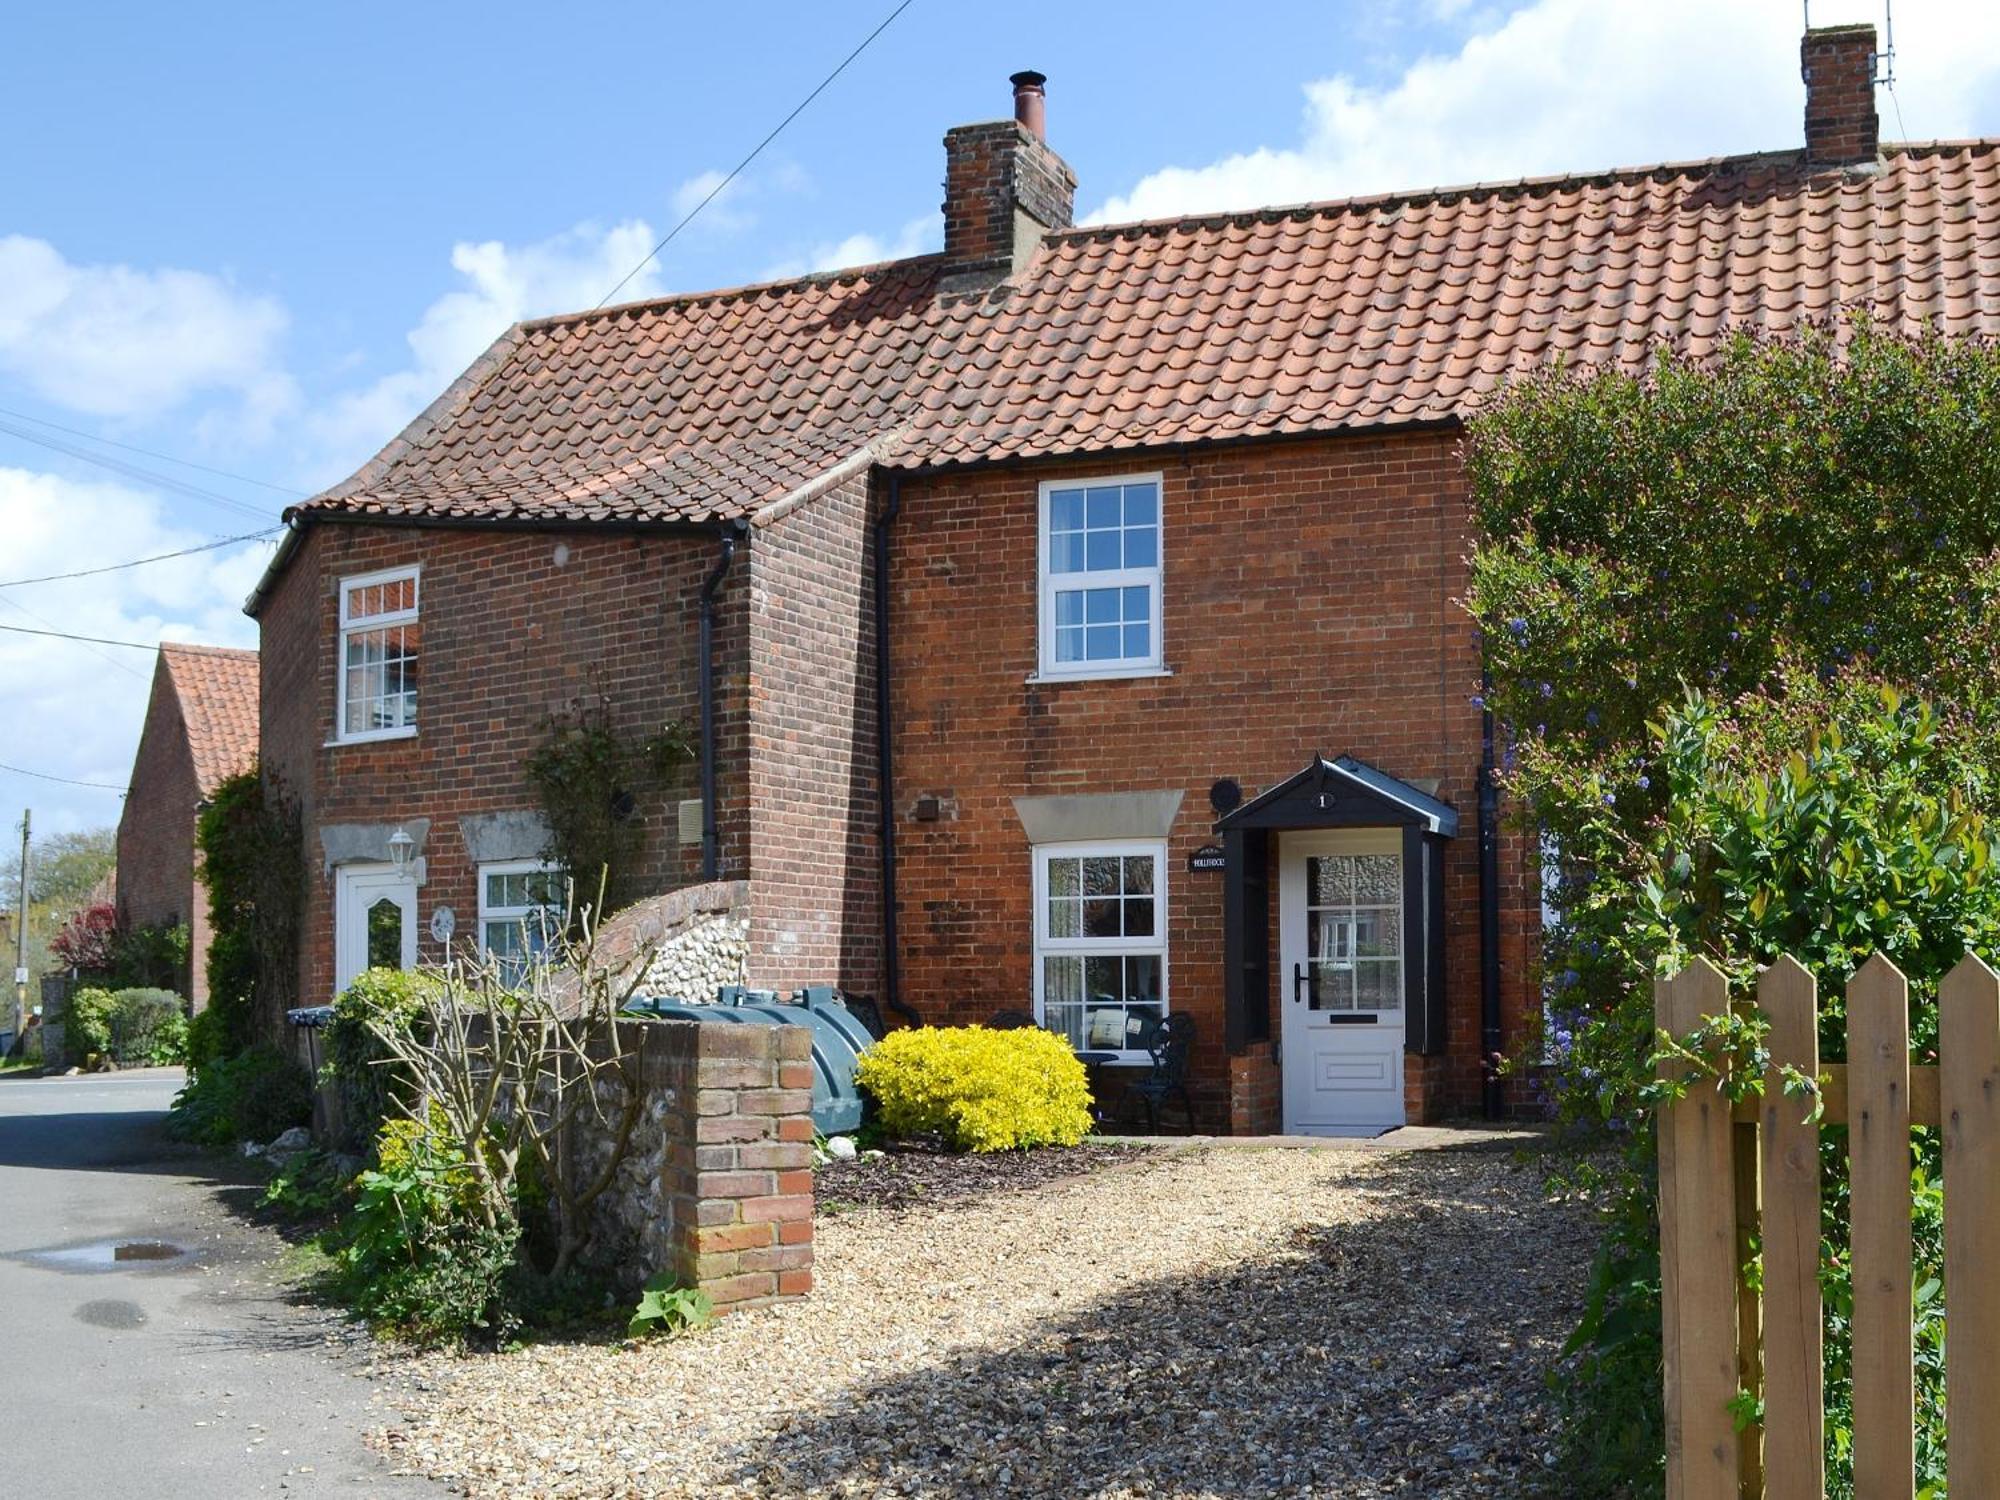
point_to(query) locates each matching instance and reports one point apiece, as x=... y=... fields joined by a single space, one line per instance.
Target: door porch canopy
x=1342 y=793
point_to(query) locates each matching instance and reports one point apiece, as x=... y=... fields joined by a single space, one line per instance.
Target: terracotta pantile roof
x=1359 y=313
x=217 y=688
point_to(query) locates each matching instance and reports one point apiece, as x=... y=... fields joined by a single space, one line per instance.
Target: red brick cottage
x=201 y=729
x=1070 y=616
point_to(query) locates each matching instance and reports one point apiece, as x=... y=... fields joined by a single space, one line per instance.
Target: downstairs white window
x=1101 y=942
x=521 y=909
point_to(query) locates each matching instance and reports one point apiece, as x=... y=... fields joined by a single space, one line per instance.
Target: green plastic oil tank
x=838 y=1040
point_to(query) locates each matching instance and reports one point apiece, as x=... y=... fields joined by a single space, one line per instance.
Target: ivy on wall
x=591 y=783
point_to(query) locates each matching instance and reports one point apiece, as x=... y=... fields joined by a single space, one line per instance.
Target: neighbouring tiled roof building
x=1069 y=616
x=200 y=730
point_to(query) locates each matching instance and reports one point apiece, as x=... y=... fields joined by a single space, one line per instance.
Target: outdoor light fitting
x=400 y=845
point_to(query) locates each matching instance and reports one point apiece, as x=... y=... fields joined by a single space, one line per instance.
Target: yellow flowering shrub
x=981 y=1090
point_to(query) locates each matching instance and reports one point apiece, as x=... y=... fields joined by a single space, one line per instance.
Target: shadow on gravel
x=1399 y=1355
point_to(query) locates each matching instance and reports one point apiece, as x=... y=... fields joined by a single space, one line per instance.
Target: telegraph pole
x=21 y=934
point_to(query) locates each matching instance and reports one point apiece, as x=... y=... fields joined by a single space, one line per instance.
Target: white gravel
x=1216 y=1322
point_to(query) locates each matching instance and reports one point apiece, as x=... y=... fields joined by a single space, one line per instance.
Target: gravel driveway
x=1211 y=1322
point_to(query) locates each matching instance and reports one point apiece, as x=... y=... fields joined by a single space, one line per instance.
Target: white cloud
x=115 y=341
x=725 y=213
x=77 y=708
x=1565 y=85
x=914 y=238
x=502 y=285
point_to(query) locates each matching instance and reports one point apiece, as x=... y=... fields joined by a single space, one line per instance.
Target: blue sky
x=261 y=237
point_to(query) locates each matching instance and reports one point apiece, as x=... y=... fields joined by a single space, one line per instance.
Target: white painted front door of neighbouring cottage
x=1341 y=980
x=374 y=921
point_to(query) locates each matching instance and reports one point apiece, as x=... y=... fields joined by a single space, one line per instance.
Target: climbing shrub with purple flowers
x=1740 y=627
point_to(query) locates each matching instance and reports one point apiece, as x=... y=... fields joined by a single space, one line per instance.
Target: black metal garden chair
x=1168 y=1043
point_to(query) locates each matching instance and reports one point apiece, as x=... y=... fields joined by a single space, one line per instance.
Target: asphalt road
x=192 y=1374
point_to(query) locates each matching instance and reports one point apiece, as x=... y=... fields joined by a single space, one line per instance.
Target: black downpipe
x=885 y=751
x=1491 y=1096
x=711 y=842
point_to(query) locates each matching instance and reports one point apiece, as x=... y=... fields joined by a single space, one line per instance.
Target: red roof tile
x=1359 y=313
x=217 y=688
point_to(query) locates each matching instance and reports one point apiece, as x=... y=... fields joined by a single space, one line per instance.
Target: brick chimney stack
x=1003 y=190
x=1839 y=67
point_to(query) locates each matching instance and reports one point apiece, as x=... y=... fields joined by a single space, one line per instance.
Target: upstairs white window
x=379 y=638
x=1100 y=577
x=1101 y=942
x=521 y=909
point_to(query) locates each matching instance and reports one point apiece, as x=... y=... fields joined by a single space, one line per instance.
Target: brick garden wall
x=815 y=860
x=156 y=879
x=515 y=626
x=717 y=1184
x=1310 y=601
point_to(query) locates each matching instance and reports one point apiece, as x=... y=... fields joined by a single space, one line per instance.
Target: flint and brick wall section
x=1311 y=594
x=717 y=1184
x=516 y=626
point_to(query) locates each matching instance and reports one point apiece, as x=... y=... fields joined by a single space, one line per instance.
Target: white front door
x=1340 y=916
x=374 y=921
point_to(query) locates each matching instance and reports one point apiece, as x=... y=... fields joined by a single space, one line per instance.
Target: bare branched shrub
x=516 y=1061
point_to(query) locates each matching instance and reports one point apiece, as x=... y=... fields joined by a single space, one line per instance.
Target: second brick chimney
x=1003 y=190
x=1839 y=67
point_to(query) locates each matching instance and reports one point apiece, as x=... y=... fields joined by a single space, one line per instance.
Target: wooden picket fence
x=1730 y=1174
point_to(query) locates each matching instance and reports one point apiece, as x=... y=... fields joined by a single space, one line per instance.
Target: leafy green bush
x=132 y=1028
x=87 y=1025
x=252 y=1096
x=253 y=864
x=148 y=1027
x=309 y=1186
x=1829 y=844
x=416 y=1256
x=980 y=1090
x=208 y=1039
x=356 y=1060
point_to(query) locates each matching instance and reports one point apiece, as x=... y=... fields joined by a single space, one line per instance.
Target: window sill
x=1119 y=1059
x=1112 y=674
x=378 y=737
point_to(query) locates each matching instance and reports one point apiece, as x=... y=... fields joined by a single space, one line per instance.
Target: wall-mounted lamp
x=400 y=846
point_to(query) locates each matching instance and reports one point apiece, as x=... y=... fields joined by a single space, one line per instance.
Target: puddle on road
x=111 y=1314
x=110 y=1255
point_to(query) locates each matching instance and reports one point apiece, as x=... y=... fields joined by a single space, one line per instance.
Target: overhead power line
x=185 y=463
x=89 y=640
x=134 y=471
x=102 y=786
x=140 y=562
x=758 y=150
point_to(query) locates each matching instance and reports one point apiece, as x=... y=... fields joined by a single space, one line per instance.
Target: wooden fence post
x=1969 y=1105
x=1698 y=1266
x=1878 y=1143
x=1794 y=1382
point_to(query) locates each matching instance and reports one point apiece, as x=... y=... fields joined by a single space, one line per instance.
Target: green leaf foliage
x=666 y=1307
x=1738 y=620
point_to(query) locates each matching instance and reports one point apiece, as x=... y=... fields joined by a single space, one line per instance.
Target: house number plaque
x=444 y=922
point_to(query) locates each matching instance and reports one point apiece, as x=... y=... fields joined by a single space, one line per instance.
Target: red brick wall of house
x=815 y=854
x=511 y=634
x=1310 y=601
x=156 y=859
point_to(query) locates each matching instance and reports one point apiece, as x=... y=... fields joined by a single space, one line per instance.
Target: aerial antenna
x=1885 y=60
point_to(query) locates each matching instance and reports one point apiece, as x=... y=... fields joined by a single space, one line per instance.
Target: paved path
x=192 y=1375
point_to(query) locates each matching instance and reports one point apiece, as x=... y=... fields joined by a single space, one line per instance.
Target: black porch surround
x=1343 y=793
